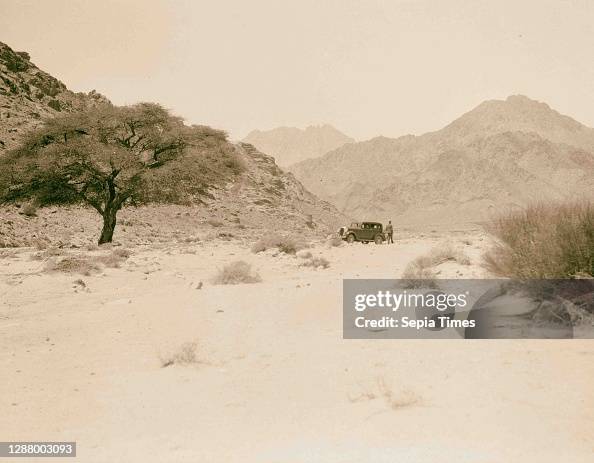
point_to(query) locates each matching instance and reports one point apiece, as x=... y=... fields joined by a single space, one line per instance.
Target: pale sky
x=368 y=67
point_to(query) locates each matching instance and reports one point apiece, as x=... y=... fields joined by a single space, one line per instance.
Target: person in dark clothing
x=390 y=232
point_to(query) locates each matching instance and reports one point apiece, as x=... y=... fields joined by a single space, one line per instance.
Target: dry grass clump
x=84 y=265
x=420 y=271
x=29 y=210
x=304 y=254
x=235 y=273
x=115 y=258
x=440 y=254
x=334 y=242
x=186 y=355
x=544 y=241
x=282 y=243
x=384 y=391
x=418 y=276
x=315 y=262
x=72 y=264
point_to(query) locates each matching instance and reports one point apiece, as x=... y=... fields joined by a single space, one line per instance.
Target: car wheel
x=378 y=239
x=350 y=238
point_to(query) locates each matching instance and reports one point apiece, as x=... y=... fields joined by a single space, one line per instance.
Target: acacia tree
x=100 y=157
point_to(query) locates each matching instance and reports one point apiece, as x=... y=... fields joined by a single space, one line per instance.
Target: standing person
x=390 y=232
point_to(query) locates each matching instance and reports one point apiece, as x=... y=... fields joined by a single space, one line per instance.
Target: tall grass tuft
x=544 y=241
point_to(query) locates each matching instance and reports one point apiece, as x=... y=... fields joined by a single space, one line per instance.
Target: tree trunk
x=109 y=223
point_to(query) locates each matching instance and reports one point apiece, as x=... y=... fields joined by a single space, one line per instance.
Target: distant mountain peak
x=290 y=145
x=518 y=113
x=522 y=99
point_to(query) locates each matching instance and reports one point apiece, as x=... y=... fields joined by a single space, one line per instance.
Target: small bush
x=315 y=262
x=121 y=253
x=420 y=271
x=382 y=390
x=235 y=273
x=442 y=253
x=71 y=265
x=115 y=258
x=304 y=254
x=544 y=241
x=186 y=355
x=334 y=242
x=282 y=243
x=29 y=210
x=419 y=276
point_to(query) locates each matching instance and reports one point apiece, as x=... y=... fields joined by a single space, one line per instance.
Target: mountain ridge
x=499 y=155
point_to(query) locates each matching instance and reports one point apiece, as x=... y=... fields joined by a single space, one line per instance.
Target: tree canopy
x=102 y=157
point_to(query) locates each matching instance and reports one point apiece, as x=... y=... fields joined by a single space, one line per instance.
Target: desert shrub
x=114 y=259
x=122 y=253
x=315 y=262
x=544 y=241
x=235 y=273
x=186 y=355
x=85 y=265
x=71 y=264
x=334 y=241
x=419 y=276
x=443 y=253
x=383 y=390
x=282 y=243
x=304 y=254
x=420 y=271
x=421 y=268
x=29 y=210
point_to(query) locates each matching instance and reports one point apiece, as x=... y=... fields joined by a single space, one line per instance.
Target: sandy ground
x=273 y=380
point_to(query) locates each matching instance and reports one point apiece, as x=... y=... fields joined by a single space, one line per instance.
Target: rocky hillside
x=28 y=94
x=261 y=200
x=290 y=145
x=500 y=155
x=237 y=184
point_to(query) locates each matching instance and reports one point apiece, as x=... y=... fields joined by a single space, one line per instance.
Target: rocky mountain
x=264 y=195
x=238 y=181
x=500 y=155
x=290 y=145
x=28 y=94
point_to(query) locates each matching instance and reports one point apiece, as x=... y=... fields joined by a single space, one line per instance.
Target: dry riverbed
x=143 y=358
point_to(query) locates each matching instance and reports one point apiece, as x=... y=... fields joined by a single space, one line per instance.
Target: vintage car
x=363 y=232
